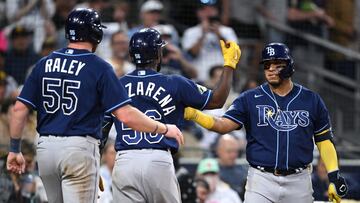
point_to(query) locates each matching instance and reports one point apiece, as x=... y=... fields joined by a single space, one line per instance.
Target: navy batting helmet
x=145 y=46
x=84 y=25
x=279 y=51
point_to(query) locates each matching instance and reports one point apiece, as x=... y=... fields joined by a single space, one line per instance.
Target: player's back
x=68 y=96
x=162 y=98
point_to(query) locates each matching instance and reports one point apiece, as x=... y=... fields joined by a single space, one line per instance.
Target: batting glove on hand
x=337 y=187
x=231 y=53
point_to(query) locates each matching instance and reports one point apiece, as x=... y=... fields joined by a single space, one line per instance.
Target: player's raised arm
x=231 y=53
x=147 y=124
x=217 y=124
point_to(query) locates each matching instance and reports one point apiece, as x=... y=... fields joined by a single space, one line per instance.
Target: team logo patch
x=201 y=88
x=270 y=51
x=282 y=120
x=69 y=51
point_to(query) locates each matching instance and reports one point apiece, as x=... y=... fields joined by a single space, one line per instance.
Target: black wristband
x=15 y=145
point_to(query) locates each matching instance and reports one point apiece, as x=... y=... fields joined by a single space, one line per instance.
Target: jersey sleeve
x=322 y=123
x=192 y=94
x=28 y=94
x=113 y=94
x=237 y=111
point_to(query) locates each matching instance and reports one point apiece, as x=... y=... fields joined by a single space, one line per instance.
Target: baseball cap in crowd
x=151 y=5
x=20 y=31
x=208 y=165
x=2 y=78
x=164 y=29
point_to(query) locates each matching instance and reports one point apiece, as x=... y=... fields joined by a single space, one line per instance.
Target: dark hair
x=116 y=33
x=213 y=69
x=203 y=183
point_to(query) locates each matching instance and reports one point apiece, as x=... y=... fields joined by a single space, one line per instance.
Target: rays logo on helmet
x=201 y=88
x=270 y=51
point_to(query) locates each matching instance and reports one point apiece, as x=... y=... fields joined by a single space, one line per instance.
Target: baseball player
x=282 y=120
x=71 y=89
x=144 y=170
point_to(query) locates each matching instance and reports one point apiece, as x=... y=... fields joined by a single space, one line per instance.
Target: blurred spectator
x=202 y=40
x=320 y=182
x=29 y=132
x=150 y=16
x=202 y=190
x=33 y=15
x=3 y=41
x=108 y=158
x=48 y=46
x=275 y=10
x=183 y=15
x=220 y=192
x=11 y=84
x=209 y=140
x=214 y=76
x=342 y=33
x=227 y=150
x=21 y=54
x=27 y=187
x=186 y=181
x=97 y=5
x=242 y=16
x=120 y=54
x=63 y=9
x=7 y=186
x=307 y=16
x=173 y=61
x=117 y=23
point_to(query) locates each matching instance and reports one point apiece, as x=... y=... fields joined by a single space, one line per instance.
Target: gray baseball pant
x=264 y=187
x=69 y=168
x=146 y=175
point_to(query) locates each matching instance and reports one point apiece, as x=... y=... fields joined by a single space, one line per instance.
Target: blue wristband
x=15 y=145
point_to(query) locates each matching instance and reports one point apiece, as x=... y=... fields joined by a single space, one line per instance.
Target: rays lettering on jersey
x=63 y=66
x=151 y=90
x=282 y=120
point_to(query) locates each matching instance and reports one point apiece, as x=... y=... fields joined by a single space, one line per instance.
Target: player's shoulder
x=306 y=91
x=250 y=93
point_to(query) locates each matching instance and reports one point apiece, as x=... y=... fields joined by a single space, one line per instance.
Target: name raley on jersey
x=151 y=90
x=63 y=66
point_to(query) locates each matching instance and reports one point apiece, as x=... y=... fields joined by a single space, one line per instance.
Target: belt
x=59 y=135
x=280 y=172
x=162 y=149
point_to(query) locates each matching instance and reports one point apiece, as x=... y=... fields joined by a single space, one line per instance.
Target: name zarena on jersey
x=158 y=93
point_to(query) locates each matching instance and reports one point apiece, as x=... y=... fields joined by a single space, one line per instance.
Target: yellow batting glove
x=337 y=187
x=333 y=196
x=231 y=53
x=199 y=117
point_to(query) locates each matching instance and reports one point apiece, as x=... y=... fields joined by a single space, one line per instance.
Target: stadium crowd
x=31 y=29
